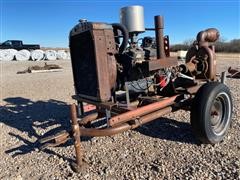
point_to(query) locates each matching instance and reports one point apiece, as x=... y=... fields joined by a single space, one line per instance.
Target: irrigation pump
x=127 y=81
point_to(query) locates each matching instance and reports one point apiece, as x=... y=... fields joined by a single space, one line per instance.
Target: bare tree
x=222 y=45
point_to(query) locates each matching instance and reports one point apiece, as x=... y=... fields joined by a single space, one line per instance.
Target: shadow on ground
x=169 y=129
x=33 y=118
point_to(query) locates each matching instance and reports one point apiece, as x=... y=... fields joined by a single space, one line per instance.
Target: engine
x=111 y=58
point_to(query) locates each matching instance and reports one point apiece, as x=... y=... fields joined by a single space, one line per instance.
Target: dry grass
x=54 y=48
x=221 y=56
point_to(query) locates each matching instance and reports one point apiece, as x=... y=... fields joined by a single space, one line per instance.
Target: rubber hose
x=125 y=34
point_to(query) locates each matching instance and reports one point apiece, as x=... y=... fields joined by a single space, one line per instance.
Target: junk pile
x=39 y=69
x=235 y=73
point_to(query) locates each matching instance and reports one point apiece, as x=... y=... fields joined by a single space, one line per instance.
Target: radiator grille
x=84 y=64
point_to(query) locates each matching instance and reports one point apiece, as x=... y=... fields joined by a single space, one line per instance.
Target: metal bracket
x=127 y=94
x=223 y=77
x=80 y=109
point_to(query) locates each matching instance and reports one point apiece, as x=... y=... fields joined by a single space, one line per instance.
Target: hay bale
x=51 y=55
x=7 y=54
x=37 y=55
x=61 y=54
x=23 y=55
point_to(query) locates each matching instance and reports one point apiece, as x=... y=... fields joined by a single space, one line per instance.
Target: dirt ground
x=34 y=105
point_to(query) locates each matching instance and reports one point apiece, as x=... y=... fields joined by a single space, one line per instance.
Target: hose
x=123 y=29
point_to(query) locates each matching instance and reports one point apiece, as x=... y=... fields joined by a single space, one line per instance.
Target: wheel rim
x=220 y=114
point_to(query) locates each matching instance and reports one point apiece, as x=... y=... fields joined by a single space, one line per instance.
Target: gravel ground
x=34 y=105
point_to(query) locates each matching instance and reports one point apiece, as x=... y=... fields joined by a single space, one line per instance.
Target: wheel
x=211 y=112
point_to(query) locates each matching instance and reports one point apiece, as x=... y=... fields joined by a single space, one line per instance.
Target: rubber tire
x=201 y=112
